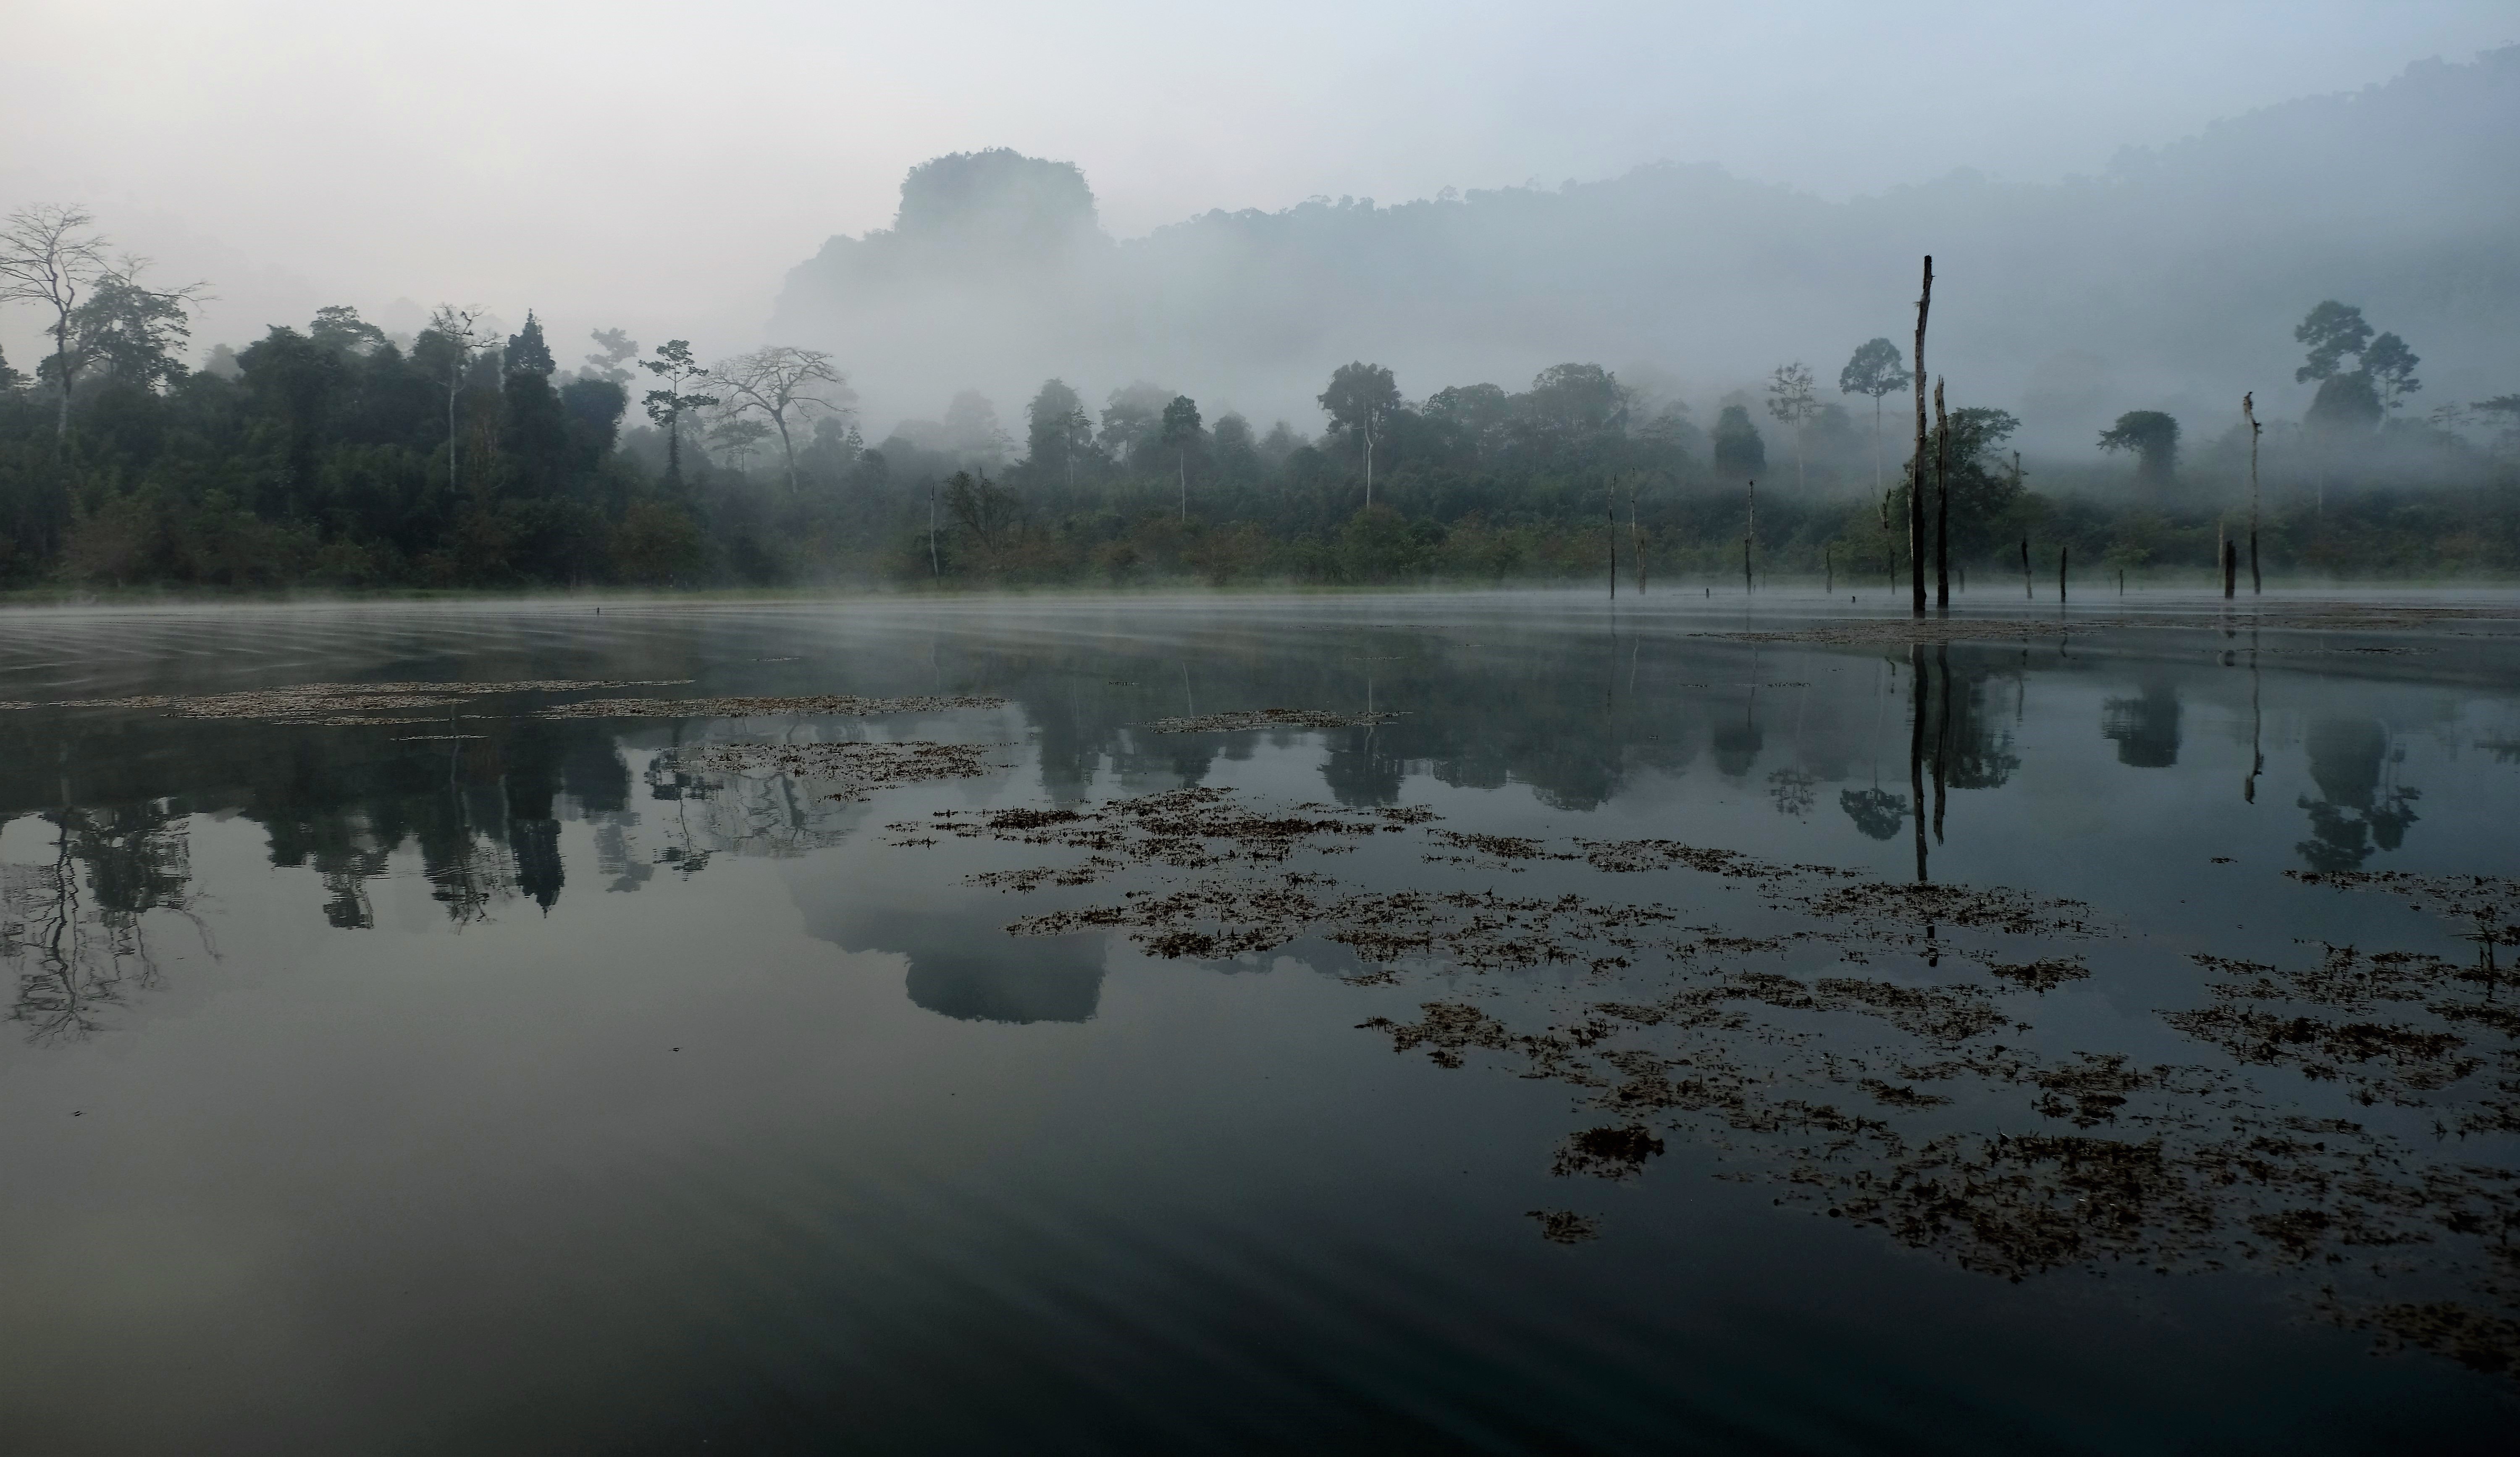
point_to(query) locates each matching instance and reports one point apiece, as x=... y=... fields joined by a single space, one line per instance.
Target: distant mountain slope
x=2173 y=281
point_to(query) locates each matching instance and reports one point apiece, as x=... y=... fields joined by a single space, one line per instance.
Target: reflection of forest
x=71 y=924
x=1576 y=719
x=481 y=814
x=2360 y=806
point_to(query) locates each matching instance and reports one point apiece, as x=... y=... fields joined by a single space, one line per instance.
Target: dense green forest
x=335 y=456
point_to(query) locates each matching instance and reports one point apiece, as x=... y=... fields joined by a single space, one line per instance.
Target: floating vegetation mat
x=344 y=703
x=1267 y=718
x=824 y=704
x=1192 y=829
x=1869 y=1051
x=861 y=766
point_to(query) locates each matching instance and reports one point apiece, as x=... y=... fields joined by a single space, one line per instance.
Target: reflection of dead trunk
x=1942 y=733
x=1917 y=746
x=2257 y=720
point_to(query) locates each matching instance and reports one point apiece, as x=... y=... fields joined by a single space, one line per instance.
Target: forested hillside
x=2168 y=281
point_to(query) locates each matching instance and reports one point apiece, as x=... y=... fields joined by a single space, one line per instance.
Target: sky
x=661 y=165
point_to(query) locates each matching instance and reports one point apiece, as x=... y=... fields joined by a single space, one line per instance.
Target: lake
x=1500 y=1022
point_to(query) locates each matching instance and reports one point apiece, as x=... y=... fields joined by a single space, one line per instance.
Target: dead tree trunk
x=1750 y=534
x=1636 y=535
x=1916 y=462
x=2249 y=412
x=1942 y=502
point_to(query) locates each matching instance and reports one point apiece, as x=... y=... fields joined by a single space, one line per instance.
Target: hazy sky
x=661 y=165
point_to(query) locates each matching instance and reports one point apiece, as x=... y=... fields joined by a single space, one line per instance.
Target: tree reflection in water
x=71 y=929
x=2361 y=806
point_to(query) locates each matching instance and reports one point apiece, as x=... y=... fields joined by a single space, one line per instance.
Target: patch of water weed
x=1246 y=719
x=1564 y=1226
x=343 y=704
x=820 y=705
x=1617 y=1152
x=1190 y=829
x=861 y=766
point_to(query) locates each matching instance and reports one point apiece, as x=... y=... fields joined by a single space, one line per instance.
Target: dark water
x=489 y=1082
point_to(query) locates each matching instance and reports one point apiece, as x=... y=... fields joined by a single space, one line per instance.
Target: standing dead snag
x=2061 y=553
x=1749 y=533
x=2026 y=594
x=1612 y=536
x=1916 y=462
x=2249 y=412
x=1635 y=534
x=1942 y=501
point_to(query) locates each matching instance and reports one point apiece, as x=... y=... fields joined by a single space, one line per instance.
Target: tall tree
x=1050 y=429
x=615 y=349
x=2153 y=438
x=1792 y=399
x=677 y=371
x=133 y=332
x=783 y=385
x=1875 y=370
x=1739 y=453
x=2392 y=368
x=1181 y=432
x=339 y=327
x=533 y=429
x=2332 y=331
x=1360 y=398
x=49 y=258
x=461 y=333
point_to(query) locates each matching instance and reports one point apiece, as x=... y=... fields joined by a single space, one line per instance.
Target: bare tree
x=783 y=385
x=467 y=334
x=1793 y=400
x=49 y=258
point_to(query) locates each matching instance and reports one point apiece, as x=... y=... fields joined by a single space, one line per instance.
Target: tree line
x=463 y=456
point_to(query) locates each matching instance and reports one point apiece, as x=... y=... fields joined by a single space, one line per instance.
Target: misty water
x=1500 y=1022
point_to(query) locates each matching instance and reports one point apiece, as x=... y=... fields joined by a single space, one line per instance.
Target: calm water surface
x=1676 y=1029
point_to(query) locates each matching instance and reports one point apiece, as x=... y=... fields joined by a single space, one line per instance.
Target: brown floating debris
x=1267 y=718
x=1565 y=1226
x=863 y=765
x=824 y=704
x=344 y=704
x=1839 y=1091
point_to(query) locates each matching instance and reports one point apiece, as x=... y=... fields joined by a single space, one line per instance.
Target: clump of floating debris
x=1267 y=718
x=1192 y=829
x=860 y=766
x=342 y=705
x=820 y=705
